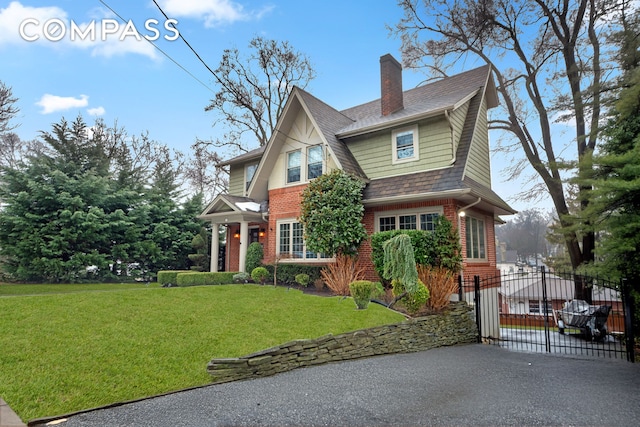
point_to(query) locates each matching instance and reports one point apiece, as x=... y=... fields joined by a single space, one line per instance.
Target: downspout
x=453 y=148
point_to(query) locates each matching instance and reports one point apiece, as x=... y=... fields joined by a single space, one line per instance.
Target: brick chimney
x=390 y=85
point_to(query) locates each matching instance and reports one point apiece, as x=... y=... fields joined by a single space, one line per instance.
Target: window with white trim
x=294 y=159
x=249 y=172
x=475 y=238
x=412 y=220
x=314 y=162
x=291 y=243
x=405 y=144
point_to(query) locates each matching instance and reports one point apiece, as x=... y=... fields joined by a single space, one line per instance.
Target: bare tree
x=552 y=62
x=253 y=90
x=8 y=110
x=202 y=172
x=526 y=234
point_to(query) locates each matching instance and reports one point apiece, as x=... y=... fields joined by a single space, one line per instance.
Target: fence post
x=628 y=320
x=476 y=302
x=545 y=299
x=460 y=290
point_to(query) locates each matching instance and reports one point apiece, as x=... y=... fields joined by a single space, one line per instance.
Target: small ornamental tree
x=331 y=213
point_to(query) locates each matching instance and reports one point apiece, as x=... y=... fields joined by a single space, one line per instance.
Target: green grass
x=66 y=352
x=10 y=289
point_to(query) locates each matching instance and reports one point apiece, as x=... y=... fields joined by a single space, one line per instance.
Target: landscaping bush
x=362 y=291
x=441 y=284
x=241 y=277
x=337 y=275
x=200 y=279
x=255 y=253
x=169 y=277
x=302 y=279
x=260 y=275
x=440 y=248
x=287 y=272
x=412 y=302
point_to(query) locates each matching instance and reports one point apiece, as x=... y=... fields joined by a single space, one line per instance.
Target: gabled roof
x=335 y=127
x=445 y=182
x=424 y=101
x=226 y=208
x=329 y=122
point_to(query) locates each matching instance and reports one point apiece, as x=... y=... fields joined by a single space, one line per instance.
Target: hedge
x=199 y=279
x=166 y=277
x=287 y=272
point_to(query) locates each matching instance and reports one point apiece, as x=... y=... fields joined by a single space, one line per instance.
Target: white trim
x=415 y=142
x=484 y=237
x=304 y=259
x=403 y=212
x=286 y=168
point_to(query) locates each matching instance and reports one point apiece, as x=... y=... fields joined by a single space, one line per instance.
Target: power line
x=162 y=51
x=190 y=47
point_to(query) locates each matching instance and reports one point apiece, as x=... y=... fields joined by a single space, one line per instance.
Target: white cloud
x=13 y=32
x=53 y=103
x=213 y=12
x=13 y=15
x=98 y=111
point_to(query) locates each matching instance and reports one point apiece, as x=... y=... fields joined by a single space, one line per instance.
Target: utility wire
x=162 y=51
x=218 y=79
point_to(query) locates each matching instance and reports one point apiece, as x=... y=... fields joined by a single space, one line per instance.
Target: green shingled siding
x=458 y=118
x=478 y=163
x=236 y=180
x=374 y=151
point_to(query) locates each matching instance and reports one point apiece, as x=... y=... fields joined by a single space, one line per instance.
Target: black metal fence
x=563 y=313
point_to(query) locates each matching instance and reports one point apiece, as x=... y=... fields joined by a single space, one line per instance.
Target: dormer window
x=405 y=144
x=314 y=162
x=293 y=166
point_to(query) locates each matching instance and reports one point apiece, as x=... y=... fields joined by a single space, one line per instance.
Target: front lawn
x=66 y=352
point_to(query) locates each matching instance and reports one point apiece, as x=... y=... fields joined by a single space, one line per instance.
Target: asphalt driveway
x=451 y=386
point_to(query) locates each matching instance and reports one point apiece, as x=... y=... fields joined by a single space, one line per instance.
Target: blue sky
x=134 y=83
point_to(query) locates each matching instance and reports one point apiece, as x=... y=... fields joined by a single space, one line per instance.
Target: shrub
x=441 y=284
x=200 y=279
x=318 y=284
x=339 y=274
x=363 y=290
x=255 y=253
x=413 y=302
x=169 y=277
x=260 y=275
x=241 y=277
x=287 y=272
x=440 y=248
x=302 y=279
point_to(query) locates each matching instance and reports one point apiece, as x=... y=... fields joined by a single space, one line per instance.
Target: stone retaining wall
x=454 y=326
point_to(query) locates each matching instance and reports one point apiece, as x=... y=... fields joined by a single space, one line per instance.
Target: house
x=423 y=152
x=526 y=294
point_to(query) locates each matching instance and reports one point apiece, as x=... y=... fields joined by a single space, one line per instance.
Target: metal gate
x=539 y=311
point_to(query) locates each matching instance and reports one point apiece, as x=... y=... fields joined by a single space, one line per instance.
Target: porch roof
x=226 y=209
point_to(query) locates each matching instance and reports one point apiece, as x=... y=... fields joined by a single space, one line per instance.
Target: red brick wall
x=284 y=203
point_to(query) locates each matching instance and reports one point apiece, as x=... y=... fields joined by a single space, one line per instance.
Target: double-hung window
x=405 y=144
x=291 y=243
x=249 y=172
x=314 y=162
x=475 y=238
x=294 y=159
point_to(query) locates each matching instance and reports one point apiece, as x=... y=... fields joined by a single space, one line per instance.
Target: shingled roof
x=425 y=101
